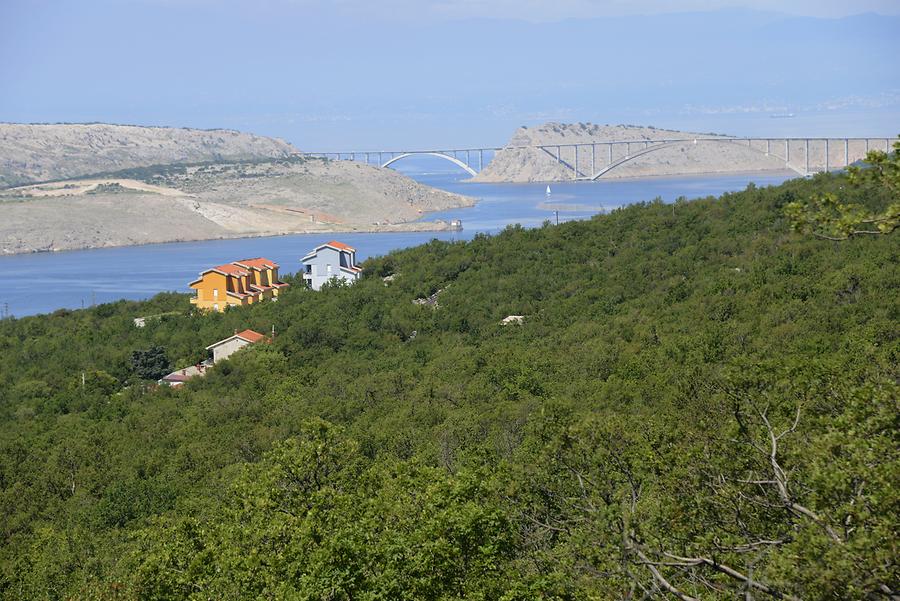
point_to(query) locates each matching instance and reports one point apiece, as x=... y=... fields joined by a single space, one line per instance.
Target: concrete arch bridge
x=590 y=161
x=470 y=160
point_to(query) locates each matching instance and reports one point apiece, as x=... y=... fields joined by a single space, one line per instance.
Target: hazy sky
x=360 y=73
x=543 y=10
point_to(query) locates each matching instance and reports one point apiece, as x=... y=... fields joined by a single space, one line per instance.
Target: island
x=201 y=185
x=523 y=159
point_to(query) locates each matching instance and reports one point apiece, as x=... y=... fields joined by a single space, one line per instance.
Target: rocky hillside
x=535 y=165
x=222 y=200
x=39 y=153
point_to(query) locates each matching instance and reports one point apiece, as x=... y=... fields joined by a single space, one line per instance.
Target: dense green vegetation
x=699 y=403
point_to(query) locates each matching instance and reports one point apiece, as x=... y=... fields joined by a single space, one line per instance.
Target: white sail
x=548 y=191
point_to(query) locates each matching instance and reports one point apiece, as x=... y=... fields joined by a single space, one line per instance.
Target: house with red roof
x=237 y=284
x=220 y=350
x=329 y=262
x=224 y=348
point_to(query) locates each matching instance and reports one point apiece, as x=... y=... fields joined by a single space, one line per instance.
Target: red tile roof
x=339 y=245
x=257 y=263
x=250 y=336
x=227 y=269
x=176 y=377
x=230 y=269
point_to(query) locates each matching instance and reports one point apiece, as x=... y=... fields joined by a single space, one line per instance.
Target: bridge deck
x=804 y=155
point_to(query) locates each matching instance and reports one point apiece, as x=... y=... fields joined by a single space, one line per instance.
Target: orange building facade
x=237 y=284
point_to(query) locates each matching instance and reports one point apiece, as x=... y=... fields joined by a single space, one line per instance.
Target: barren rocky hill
x=39 y=153
x=223 y=200
x=533 y=164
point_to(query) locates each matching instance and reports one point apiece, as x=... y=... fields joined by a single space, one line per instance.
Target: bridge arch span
x=441 y=155
x=665 y=145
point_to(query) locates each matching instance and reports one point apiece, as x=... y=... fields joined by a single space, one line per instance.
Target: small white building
x=224 y=348
x=180 y=376
x=330 y=260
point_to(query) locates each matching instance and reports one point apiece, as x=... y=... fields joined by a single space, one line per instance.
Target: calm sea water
x=44 y=282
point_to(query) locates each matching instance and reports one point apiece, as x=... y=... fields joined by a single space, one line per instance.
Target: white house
x=330 y=260
x=224 y=348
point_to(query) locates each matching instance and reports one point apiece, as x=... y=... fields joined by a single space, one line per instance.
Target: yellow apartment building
x=263 y=276
x=237 y=284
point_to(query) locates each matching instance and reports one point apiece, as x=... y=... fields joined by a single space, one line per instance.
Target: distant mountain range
x=442 y=82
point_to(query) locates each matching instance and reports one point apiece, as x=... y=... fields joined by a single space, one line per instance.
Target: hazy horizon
x=328 y=76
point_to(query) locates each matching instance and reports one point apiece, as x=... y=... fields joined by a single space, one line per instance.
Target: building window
x=215 y=293
x=328 y=268
x=216 y=307
x=309 y=269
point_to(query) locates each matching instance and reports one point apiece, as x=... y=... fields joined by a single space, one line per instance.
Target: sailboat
x=548 y=191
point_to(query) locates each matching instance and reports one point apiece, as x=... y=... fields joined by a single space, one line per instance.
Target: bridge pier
x=575 y=164
x=593 y=152
x=846 y=152
x=827 y=149
x=806 y=155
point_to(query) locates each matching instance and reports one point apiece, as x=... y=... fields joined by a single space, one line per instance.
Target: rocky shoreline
x=438 y=225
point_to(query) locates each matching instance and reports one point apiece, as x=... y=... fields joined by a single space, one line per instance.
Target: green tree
x=151 y=363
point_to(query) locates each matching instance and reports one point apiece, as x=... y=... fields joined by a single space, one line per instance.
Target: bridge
x=589 y=161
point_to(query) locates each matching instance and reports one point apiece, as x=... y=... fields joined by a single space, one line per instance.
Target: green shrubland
x=699 y=402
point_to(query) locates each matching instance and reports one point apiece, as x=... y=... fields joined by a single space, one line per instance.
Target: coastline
x=408 y=227
x=437 y=226
x=105 y=274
